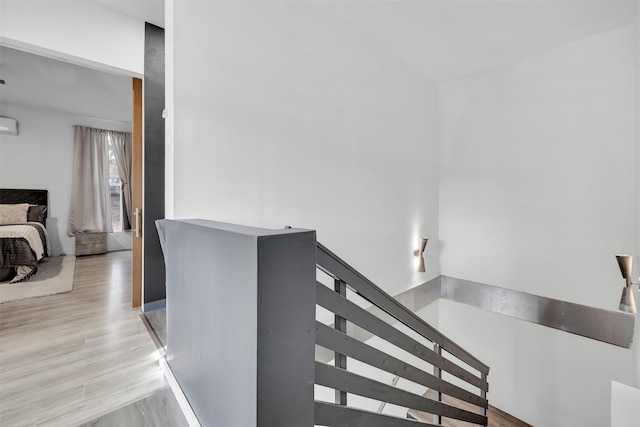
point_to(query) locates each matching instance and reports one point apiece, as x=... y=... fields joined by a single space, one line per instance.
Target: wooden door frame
x=136 y=194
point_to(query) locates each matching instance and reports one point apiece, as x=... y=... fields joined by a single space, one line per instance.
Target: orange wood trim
x=136 y=192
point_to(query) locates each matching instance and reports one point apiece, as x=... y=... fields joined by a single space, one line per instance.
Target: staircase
x=403 y=346
x=496 y=417
x=252 y=314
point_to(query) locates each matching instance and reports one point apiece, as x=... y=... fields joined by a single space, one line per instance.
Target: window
x=105 y=155
x=115 y=191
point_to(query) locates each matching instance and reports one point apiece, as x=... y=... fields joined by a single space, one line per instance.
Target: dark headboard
x=9 y=196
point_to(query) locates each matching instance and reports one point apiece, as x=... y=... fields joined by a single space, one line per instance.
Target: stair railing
x=394 y=381
x=462 y=368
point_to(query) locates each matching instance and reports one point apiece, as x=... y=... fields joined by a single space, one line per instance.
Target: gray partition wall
x=154 y=138
x=241 y=322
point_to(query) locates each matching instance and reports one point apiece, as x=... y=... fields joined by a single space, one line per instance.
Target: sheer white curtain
x=121 y=144
x=90 y=208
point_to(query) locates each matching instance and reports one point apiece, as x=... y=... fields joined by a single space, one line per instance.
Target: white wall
x=170 y=117
x=40 y=157
x=284 y=115
x=541 y=375
x=538 y=172
x=636 y=340
x=83 y=32
x=538 y=180
x=625 y=405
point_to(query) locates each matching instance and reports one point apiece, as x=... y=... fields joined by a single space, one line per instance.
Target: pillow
x=13 y=214
x=37 y=213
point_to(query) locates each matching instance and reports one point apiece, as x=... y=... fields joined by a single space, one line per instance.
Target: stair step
x=497 y=417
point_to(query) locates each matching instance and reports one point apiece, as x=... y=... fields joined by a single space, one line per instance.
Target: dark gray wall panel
x=286 y=291
x=153 y=209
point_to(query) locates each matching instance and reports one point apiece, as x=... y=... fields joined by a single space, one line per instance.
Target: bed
x=24 y=241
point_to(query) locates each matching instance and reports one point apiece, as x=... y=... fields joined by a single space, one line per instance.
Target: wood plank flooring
x=159 y=409
x=67 y=359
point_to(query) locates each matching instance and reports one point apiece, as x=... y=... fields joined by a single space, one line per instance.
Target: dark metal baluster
x=341 y=325
x=437 y=372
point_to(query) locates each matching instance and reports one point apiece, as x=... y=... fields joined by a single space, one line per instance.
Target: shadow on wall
x=54 y=236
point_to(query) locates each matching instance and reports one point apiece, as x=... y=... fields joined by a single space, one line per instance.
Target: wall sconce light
x=627 y=302
x=420 y=253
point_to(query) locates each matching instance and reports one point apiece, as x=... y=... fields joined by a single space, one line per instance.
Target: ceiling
x=151 y=11
x=446 y=39
x=442 y=39
x=47 y=84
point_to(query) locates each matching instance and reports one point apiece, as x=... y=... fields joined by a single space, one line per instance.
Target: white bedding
x=30 y=234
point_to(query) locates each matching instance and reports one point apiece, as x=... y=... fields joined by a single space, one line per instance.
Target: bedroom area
x=55 y=105
x=71 y=346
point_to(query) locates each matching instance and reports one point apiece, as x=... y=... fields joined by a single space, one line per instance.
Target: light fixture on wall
x=420 y=253
x=627 y=302
x=8 y=126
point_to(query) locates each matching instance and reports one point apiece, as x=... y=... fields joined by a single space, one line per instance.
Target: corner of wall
x=169 y=119
x=636 y=344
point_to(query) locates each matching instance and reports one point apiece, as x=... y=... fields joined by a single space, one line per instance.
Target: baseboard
x=188 y=413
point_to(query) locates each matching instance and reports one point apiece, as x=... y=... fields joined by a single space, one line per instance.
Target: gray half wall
x=232 y=292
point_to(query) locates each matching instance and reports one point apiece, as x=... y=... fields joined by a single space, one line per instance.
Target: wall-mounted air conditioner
x=8 y=126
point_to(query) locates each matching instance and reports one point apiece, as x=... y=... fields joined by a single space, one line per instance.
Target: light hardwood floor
x=67 y=359
x=161 y=409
